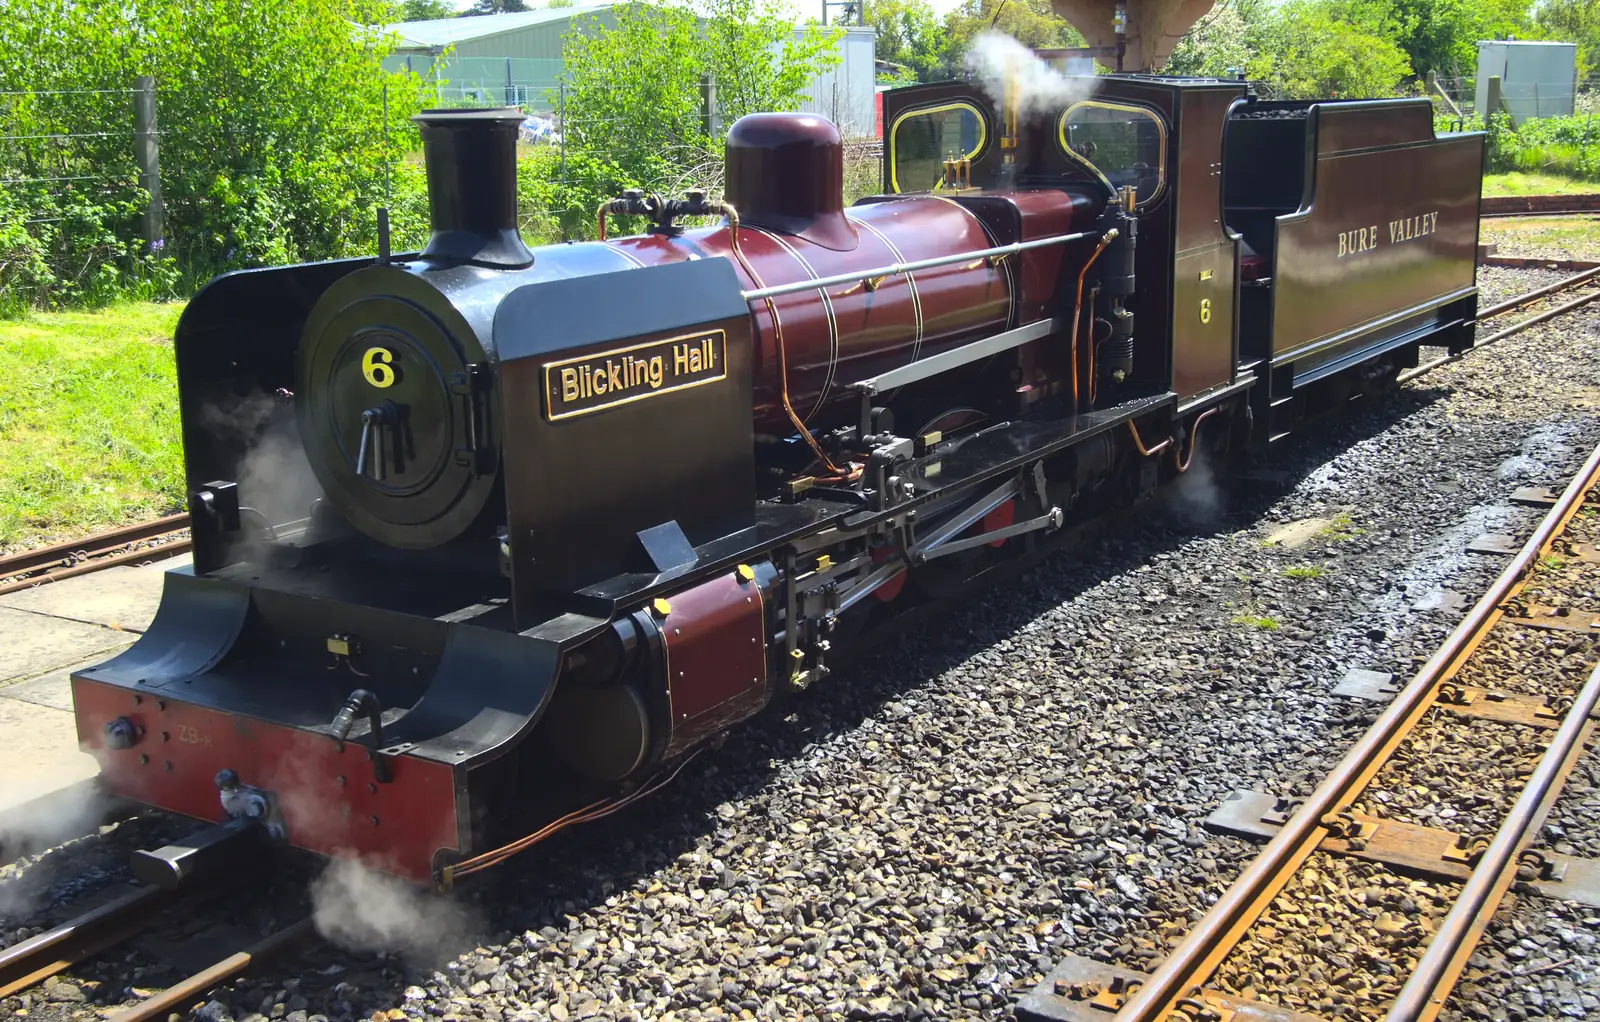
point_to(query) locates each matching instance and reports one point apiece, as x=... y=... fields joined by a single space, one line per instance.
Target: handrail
x=855 y=276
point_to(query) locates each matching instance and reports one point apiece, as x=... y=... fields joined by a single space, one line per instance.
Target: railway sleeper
x=1407 y=847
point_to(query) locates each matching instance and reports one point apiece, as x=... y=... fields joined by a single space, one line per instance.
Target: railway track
x=132 y=544
x=1203 y=978
x=185 y=880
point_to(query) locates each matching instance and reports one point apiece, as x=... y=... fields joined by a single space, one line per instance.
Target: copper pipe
x=1232 y=914
x=839 y=474
x=1139 y=442
x=600 y=219
x=1077 y=308
x=593 y=811
x=1194 y=439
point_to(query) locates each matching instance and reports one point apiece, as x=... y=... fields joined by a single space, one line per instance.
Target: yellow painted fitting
x=661 y=606
x=746 y=573
x=824 y=562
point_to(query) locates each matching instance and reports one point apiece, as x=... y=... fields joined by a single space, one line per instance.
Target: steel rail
x=1537 y=293
x=34 y=560
x=1431 y=982
x=93 y=564
x=1518 y=327
x=39 y=957
x=1193 y=962
x=181 y=995
x=856 y=276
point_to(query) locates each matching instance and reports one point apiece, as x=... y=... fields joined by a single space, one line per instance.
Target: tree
x=909 y=35
x=1436 y=35
x=1225 y=42
x=496 y=7
x=273 y=147
x=634 y=92
x=1309 y=54
x=424 y=10
x=1573 y=21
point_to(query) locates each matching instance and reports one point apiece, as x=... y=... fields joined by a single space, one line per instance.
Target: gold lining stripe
x=911 y=281
x=1013 y=299
x=626 y=254
x=1161 y=131
x=833 y=323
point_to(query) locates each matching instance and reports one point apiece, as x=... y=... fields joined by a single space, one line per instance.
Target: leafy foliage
x=421 y=10
x=280 y=156
x=1569 y=146
x=1312 y=54
x=635 y=110
x=909 y=36
x=1575 y=21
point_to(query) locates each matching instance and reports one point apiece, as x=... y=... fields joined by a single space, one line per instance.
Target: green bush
x=273 y=140
x=1569 y=146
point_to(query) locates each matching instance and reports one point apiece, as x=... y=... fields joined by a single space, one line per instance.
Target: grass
x=88 y=421
x=1305 y=571
x=1267 y=623
x=1340 y=527
x=1545 y=237
x=1517 y=182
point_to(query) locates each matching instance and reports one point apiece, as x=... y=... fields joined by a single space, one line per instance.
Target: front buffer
x=231 y=704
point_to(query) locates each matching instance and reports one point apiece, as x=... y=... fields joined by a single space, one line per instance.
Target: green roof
x=441 y=32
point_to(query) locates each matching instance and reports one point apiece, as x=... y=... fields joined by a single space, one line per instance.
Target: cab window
x=921 y=140
x=1127 y=143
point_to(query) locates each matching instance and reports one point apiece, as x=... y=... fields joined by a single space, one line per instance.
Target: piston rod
x=855 y=276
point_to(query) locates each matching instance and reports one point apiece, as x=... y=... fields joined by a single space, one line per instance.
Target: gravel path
x=928 y=832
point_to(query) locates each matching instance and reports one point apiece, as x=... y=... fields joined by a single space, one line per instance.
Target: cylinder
x=471 y=160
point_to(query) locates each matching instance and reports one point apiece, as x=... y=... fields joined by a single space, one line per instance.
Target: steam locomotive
x=487 y=537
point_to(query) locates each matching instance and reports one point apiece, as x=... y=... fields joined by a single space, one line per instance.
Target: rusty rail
x=39 y=957
x=1193 y=962
x=1515 y=328
x=181 y=995
x=1435 y=975
x=81 y=556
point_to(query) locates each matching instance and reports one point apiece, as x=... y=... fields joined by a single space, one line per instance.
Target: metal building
x=1537 y=79
x=494 y=58
x=516 y=58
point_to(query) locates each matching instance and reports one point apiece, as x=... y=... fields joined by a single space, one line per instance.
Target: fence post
x=148 y=156
x=561 y=126
x=713 y=116
x=511 y=94
x=1493 y=102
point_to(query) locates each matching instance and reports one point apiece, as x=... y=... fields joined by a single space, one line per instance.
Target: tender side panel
x=1388 y=231
x=1205 y=256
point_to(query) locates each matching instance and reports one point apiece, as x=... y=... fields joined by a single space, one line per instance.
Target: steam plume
x=1041 y=89
x=364 y=910
x=34 y=826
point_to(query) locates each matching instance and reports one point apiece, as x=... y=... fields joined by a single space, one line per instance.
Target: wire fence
x=82 y=143
x=1467 y=96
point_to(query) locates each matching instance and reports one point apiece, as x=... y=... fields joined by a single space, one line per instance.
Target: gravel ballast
x=929 y=830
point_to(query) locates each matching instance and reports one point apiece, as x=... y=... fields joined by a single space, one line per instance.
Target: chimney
x=471 y=159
